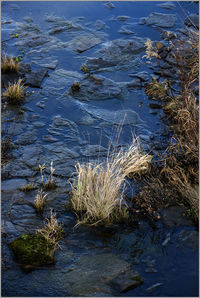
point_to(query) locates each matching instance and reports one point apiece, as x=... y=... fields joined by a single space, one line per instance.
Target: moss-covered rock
x=32 y=249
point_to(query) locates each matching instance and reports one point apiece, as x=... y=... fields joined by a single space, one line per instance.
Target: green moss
x=32 y=249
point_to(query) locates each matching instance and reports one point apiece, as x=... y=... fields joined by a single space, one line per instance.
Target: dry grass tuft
x=9 y=64
x=15 y=93
x=97 y=194
x=5 y=148
x=156 y=90
x=52 y=231
x=40 y=201
x=28 y=187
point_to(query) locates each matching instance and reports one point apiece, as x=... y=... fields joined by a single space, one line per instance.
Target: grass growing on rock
x=28 y=187
x=15 y=92
x=97 y=194
x=9 y=64
x=52 y=231
x=40 y=201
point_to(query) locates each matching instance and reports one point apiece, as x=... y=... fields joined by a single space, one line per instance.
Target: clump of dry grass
x=40 y=201
x=5 y=148
x=156 y=90
x=52 y=231
x=15 y=93
x=28 y=187
x=97 y=194
x=9 y=64
x=47 y=183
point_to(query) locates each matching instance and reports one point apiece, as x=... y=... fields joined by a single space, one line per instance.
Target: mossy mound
x=32 y=249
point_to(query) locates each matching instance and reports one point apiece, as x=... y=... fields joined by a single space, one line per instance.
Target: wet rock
x=59 y=121
x=49 y=138
x=35 y=78
x=114 y=117
x=32 y=249
x=109 y=5
x=10 y=78
x=153 y=287
x=61 y=150
x=117 y=54
x=100 y=25
x=145 y=138
x=192 y=20
x=46 y=62
x=167 y=5
x=94 y=150
x=38 y=124
x=167 y=35
x=135 y=83
x=123 y=18
x=127 y=281
x=28 y=19
x=189 y=238
x=15 y=128
x=16 y=169
x=98 y=88
x=127 y=29
x=151 y=270
x=32 y=41
x=31 y=154
x=12 y=184
x=142 y=75
x=40 y=104
x=26 y=138
x=84 y=42
x=161 y=20
x=173 y=216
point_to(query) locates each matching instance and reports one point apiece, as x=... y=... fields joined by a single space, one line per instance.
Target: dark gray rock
x=31 y=154
x=84 y=42
x=94 y=150
x=173 y=216
x=142 y=75
x=41 y=104
x=47 y=62
x=109 y=5
x=49 y=138
x=35 y=78
x=100 y=25
x=26 y=138
x=17 y=169
x=123 y=18
x=127 y=29
x=161 y=20
x=12 y=184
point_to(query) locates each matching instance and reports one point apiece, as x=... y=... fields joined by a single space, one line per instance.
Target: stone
x=26 y=138
x=109 y=5
x=123 y=18
x=100 y=25
x=33 y=250
x=84 y=42
x=16 y=169
x=98 y=88
x=38 y=124
x=59 y=121
x=142 y=75
x=49 y=138
x=61 y=150
x=124 y=117
x=192 y=20
x=12 y=184
x=127 y=29
x=35 y=78
x=46 y=62
x=127 y=281
x=161 y=20
x=40 y=104
x=94 y=150
x=30 y=154
x=166 y=5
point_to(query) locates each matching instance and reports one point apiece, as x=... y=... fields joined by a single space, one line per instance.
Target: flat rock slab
x=16 y=169
x=161 y=20
x=12 y=184
x=35 y=78
x=31 y=154
x=94 y=150
x=192 y=20
x=123 y=117
x=26 y=138
x=167 y=5
x=84 y=42
x=98 y=88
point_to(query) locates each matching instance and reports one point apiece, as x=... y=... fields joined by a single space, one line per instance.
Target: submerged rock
x=84 y=42
x=94 y=150
x=161 y=20
x=189 y=238
x=153 y=287
x=123 y=117
x=32 y=249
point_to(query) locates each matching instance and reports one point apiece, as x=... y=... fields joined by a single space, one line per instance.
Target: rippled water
x=164 y=253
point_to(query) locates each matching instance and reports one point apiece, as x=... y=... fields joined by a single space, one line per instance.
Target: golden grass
x=28 y=187
x=5 y=148
x=40 y=201
x=15 y=93
x=9 y=64
x=97 y=194
x=51 y=231
x=47 y=183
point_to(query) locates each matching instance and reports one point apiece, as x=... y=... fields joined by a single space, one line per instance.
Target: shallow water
x=59 y=125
